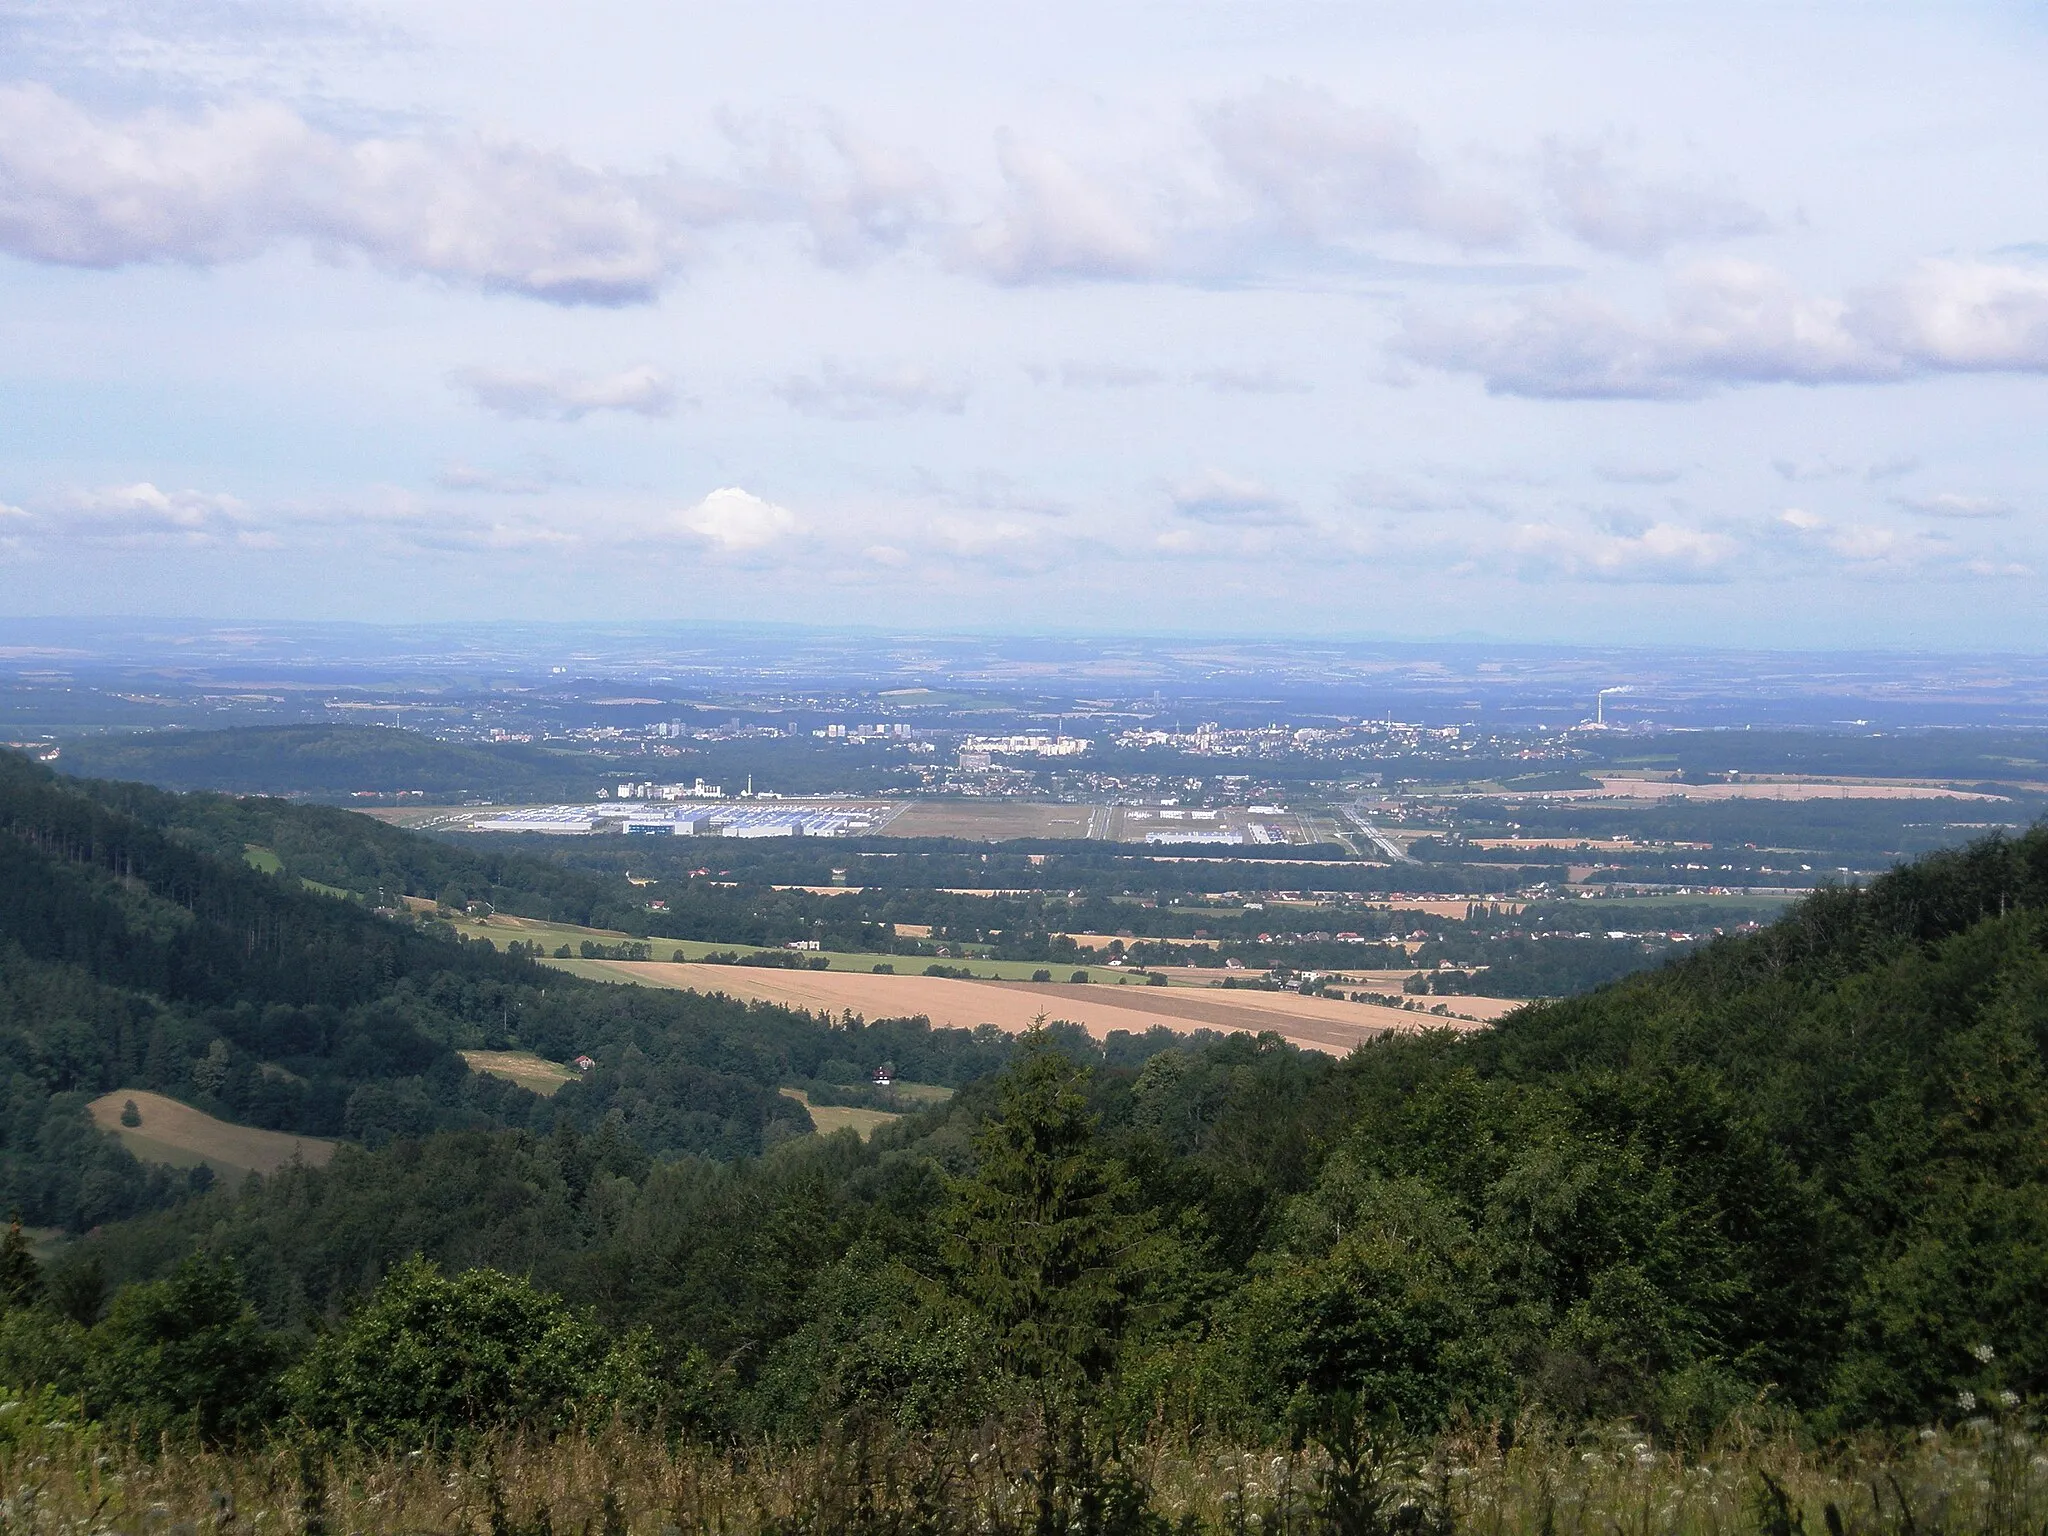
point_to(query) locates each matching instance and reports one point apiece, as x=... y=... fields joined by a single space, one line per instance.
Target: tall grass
x=1985 y=1477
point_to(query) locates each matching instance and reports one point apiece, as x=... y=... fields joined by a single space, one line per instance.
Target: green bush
x=434 y=1360
x=184 y=1357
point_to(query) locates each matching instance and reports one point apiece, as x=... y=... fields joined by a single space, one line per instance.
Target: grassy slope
x=185 y=1137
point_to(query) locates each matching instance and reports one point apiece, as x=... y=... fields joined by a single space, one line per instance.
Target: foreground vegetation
x=1982 y=1478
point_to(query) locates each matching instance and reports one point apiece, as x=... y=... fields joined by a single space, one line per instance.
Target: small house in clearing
x=583 y=1063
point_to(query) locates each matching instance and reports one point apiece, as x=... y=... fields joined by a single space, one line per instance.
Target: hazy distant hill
x=327 y=760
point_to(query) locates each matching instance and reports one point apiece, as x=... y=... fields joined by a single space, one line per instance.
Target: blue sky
x=1565 y=322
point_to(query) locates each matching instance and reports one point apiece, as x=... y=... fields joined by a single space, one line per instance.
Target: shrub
x=435 y=1360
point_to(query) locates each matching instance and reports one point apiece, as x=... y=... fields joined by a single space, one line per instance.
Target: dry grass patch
x=840 y=1117
x=185 y=1137
x=522 y=1067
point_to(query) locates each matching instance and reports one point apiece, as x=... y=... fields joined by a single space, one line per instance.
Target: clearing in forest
x=522 y=1067
x=185 y=1137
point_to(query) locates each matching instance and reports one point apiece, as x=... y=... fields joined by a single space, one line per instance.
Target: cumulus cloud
x=1216 y=497
x=143 y=514
x=735 y=521
x=558 y=395
x=850 y=394
x=1734 y=322
x=1322 y=169
x=1240 y=188
x=1283 y=176
x=228 y=182
x=1612 y=210
x=854 y=194
x=1057 y=221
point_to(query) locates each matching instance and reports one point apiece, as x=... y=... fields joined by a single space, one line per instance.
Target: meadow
x=184 y=1137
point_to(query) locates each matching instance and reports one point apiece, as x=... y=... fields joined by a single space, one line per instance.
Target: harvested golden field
x=522 y=1067
x=1456 y=908
x=185 y=1137
x=1313 y=1023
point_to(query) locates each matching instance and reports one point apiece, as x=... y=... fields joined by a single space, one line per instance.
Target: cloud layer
x=1737 y=322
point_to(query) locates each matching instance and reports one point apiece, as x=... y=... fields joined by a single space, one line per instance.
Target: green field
x=502 y=930
x=904 y=965
x=257 y=857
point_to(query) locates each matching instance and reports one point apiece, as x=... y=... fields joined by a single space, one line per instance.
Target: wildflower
x=1984 y=1352
x=2008 y=1399
x=1967 y=1401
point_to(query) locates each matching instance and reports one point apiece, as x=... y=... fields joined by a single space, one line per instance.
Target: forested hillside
x=328 y=760
x=142 y=951
x=1799 y=1172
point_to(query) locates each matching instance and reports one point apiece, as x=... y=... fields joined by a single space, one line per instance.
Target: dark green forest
x=139 y=950
x=329 y=760
x=1798 y=1172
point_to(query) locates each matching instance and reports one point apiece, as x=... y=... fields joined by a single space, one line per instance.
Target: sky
x=1638 y=323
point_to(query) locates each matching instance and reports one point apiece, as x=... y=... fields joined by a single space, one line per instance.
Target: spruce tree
x=21 y=1278
x=1038 y=1240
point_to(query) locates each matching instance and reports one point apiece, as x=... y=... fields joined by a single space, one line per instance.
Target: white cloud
x=143 y=514
x=1661 y=552
x=558 y=395
x=1950 y=504
x=1735 y=322
x=1321 y=169
x=229 y=182
x=1964 y=316
x=1612 y=210
x=735 y=521
x=864 y=395
x=1057 y=222
x=1216 y=497
x=855 y=195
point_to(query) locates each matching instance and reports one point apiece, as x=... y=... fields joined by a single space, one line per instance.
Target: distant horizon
x=1047 y=634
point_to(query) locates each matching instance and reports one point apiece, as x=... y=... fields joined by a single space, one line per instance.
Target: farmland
x=1313 y=1023
x=185 y=1137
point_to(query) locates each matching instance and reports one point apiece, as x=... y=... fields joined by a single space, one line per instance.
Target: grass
x=257 y=857
x=839 y=1117
x=522 y=1067
x=185 y=1137
x=958 y=1478
x=552 y=936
